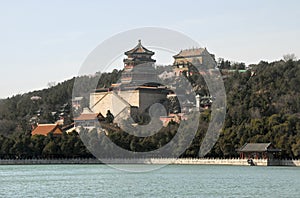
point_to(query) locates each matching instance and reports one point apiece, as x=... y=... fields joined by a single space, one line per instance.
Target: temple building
x=185 y=59
x=138 y=66
x=137 y=89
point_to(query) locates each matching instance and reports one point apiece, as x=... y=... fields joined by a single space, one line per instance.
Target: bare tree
x=51 y=84
x=288 y=57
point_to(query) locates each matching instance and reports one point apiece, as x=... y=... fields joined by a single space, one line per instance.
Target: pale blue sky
x=43 y=41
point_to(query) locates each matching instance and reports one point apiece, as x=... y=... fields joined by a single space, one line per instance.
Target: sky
x=47 y=41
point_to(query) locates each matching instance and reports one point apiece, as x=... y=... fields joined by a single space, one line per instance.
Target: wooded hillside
x=263 y=105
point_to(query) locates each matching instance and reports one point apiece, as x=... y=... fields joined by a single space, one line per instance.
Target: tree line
x=263 y=105
x=25 y=146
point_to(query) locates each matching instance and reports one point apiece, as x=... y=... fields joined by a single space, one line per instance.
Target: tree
x=290 y=57
x=51 y=150
x=296 y=149
x=222 y=64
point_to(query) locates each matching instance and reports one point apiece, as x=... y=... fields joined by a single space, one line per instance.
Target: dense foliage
x=263 y=105
x=23 y=145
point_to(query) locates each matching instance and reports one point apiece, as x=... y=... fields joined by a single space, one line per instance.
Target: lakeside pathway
x=178 y=161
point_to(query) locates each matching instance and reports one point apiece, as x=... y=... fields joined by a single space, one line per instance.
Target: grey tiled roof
x=190 y=52
x=259 y=147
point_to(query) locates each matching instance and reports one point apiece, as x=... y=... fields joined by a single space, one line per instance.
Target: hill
x=263 y=105
x=17 y=111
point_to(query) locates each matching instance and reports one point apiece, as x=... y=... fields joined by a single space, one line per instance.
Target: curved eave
x=135 y=51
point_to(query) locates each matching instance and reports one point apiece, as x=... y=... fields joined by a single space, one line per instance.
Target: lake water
x=169 y=181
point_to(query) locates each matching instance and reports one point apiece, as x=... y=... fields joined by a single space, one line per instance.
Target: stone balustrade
x=183 y=161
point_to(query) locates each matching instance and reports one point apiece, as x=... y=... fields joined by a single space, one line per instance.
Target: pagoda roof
x=190 y=52
x=139 y=49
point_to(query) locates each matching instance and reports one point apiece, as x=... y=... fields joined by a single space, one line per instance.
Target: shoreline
x=154 y=161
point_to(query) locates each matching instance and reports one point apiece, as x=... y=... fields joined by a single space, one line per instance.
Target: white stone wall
x=103 y=105
x=108 y=101
x=117 y=101
x=203 y=161
x=190 y=161
x=95 y=97
x=131 y=96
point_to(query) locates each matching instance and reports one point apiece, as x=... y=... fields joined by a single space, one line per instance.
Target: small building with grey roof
x=258 y=151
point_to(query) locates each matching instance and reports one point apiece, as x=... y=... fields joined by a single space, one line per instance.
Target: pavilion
x=258 y=151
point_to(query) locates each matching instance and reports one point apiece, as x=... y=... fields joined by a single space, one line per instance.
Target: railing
x=196 y=161
x=50 y=161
